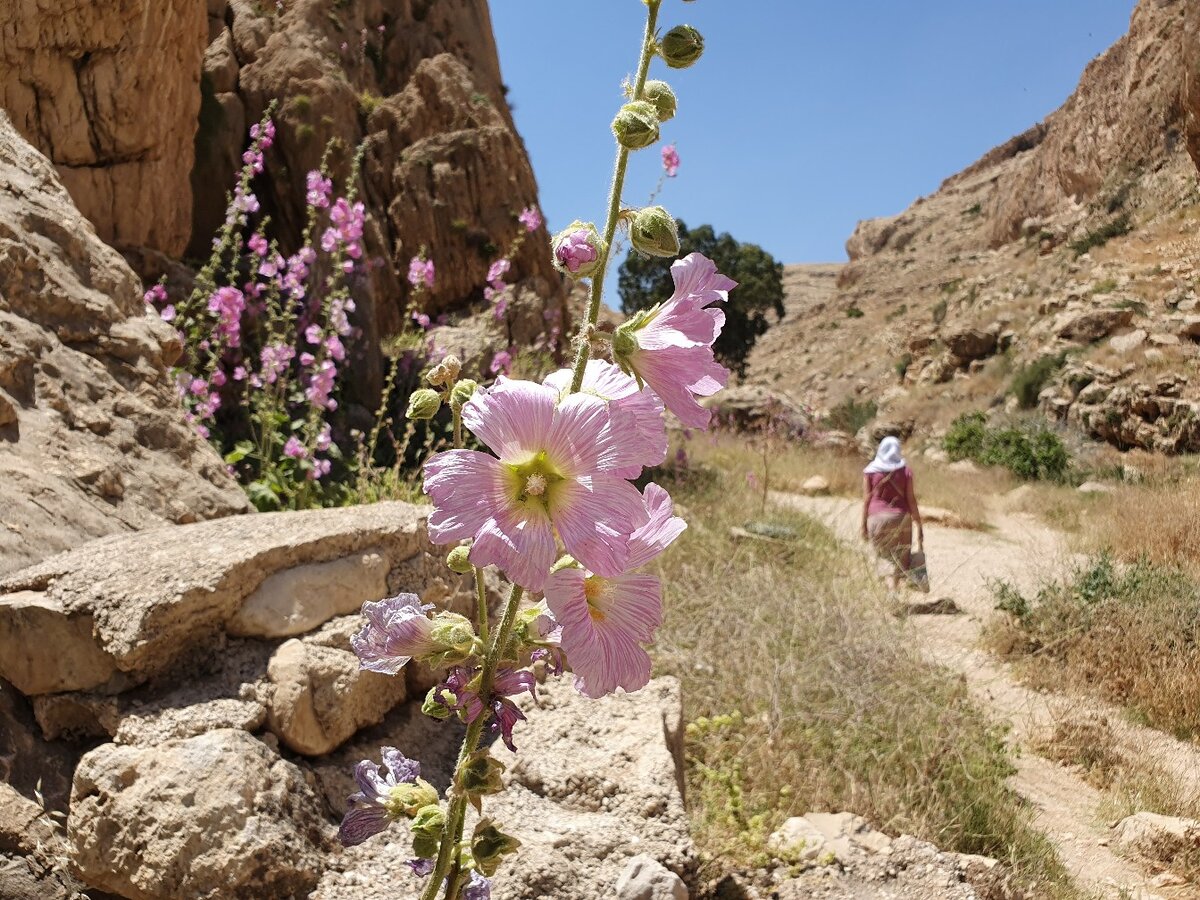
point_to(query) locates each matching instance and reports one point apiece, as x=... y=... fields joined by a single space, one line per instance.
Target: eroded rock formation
x=92 y=436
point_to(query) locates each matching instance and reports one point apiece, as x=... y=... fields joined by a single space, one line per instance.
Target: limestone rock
x=1191 y=78
x=963 y=466
x=1158 y=837
x=300 y=599
x=1125 y=343
x=1094 y=487
x=153 y=596
x=321 y=697
x=755 y=409
x=971 y=343
x=1087 y=327
x=797 y=839
x=111 y=92
x=648 y=879
x=93 y=440
x=46 y=649
x=218 y=815
x=816 y=486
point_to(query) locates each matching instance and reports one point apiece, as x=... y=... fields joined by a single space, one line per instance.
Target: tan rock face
x=1191 y=74
x=92 y=438
x=110 y=92
x=218 y=815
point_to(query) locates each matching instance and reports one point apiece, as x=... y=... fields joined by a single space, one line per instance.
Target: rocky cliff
x=1075 y=241
x=92 y=437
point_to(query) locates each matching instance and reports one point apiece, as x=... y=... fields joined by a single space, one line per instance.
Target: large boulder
x=219 y=815
x=111 y=92
x=92 y=437
x=122 y=609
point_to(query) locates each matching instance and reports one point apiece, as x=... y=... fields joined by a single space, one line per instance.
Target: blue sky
x=804 y=116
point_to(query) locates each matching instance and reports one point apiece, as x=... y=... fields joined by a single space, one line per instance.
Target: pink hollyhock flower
x=320 y=467
x=264 y=134
x=294 y=448
x=501 y=362
x=606 y=620
x=456 y=694
x=422 y=320
x=258 y=244
x=168 y=313
x=397 y=629
x=370 y=809
x=530 y=218
x=307 y=359
x=239 y=373
x=217 y=378
x=324 y=439
x=670 y=346
x=576 y=249
x=670 y=160
x=318 y=190
x=155 y=295
x=420 y=272
x=636 y=413
x=497 y=271
x=335 y=348
x=312 y=334
x=500 y=308
x=555 y=472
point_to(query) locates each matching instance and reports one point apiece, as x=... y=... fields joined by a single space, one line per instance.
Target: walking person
x=890 y=508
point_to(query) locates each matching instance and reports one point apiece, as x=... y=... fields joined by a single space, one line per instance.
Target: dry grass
x=1157 y=523
x=804 y=693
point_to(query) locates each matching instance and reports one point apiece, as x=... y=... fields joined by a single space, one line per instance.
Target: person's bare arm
x=866 y=504
x=915 y=512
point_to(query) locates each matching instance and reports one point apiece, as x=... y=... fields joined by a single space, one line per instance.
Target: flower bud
x=435 y=705
x=454 y=636
x=444 y=372
x=681 y=46
x=636 y=125
x=405 y=799
x=459 y=560
x=578 y=250
x=423 y=404
x=427 y=827
x=489 y=845
x=660 y=94
x=653 y=232
x=462 y=392
x=480 y=776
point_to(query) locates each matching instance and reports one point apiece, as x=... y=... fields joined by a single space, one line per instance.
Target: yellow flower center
x=594 y=589
x=533 y=482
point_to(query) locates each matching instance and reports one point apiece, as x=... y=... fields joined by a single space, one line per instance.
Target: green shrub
x=902 y=365
x=1119 y=226
x=1030 y=379
x=850 y=415
x=853 y=312
x=939 y=311
x=1032 y=452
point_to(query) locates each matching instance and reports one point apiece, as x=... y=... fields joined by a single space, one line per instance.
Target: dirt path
x=1070 y=811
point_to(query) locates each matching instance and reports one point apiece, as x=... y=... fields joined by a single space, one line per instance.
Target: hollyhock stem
x=456 y=816
x=583 y=354
x=481 y=604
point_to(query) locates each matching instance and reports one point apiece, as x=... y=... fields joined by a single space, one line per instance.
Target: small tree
x=644 y=281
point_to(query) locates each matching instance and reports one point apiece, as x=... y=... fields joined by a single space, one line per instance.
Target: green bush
x=902 y=365
x=1029 y=451
x=939 y=311
x=1102 y=235
x=853 y=312
x=850 y=415
x=1029 y=380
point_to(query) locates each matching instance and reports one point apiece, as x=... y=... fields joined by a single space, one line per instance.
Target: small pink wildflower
x=670 y=160
x=319 y=189
x=497 y=271
x=312 y=334
x=156 y=295
x=294 y=448
x=530 y=218
x=422 y=320
x=335 y=348
x=239 y=373
x=168 y=313
x=420 y=272
x=501 y=362
x=258 y=244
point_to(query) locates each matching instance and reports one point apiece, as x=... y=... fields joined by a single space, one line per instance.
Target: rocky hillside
x=92 y=437
x=1075 y=240
x=143 y=107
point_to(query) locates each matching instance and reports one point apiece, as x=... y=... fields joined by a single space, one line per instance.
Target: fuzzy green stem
x=583 y=354
x=481 y=604
x=458 y=802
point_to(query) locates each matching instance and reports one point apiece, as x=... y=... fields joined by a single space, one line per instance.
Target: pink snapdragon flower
x=636 y=412
x=420 y=272
x=605 y=620
x=530 y=218
x=670 y=160
x=555 y=472
x=670 y=346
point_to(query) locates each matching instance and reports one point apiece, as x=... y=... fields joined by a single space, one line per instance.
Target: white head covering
x=887 y=458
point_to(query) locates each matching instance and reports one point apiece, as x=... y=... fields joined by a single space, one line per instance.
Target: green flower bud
x=578 y=250
x=427 y=827
x=660 y=94
x=454 y=636
x=653 y=232
x=681 y=46
x=423 y=404
x=636 y=125
x=459 y=560
x=462 y=392
x=480 y=776
x=489 y=845
x=405 y=799
x=435 y=703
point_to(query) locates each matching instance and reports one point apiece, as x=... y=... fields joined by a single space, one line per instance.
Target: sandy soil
x=1070 y=811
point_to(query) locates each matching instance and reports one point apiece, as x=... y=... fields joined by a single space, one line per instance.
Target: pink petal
x=659 y=533
x=595 y=516
x=696 y=276
x=466 y=487
x=581 y=440
x=676 y=374
x=513 y=418
x=521 y=545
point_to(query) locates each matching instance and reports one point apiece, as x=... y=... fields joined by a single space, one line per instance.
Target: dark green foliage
x=853 y=312
x=643 y=282
x=1029 y=451
x=850 y=415
x=902 y=365
x=939 y=311
x=1030 y=379
x=1102 y=235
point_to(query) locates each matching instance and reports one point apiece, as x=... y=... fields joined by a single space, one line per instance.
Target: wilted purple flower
x=367 y=814
x=478 y=888
x=455 y=693
x=398 y=628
